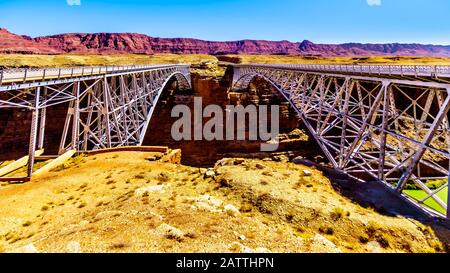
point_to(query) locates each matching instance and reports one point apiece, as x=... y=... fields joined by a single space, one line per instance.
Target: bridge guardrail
x=401 y=70
x=24 y=75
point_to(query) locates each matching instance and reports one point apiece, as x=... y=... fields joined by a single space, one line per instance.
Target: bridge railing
x=39 y=74
x=402 y=70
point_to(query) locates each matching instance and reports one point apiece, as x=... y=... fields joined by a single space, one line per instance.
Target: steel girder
x=395 y=131
x=110 y=109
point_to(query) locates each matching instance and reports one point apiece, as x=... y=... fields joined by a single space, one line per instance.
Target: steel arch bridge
x=385 y=123
x=108 y=106
x=388 y=123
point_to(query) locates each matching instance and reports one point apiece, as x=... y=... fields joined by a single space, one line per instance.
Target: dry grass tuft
x=119 y=245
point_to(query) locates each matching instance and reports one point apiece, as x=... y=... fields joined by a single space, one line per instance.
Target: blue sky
x=321 y=21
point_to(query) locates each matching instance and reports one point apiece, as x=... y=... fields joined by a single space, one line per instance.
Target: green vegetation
x=430 y=203
x=431 y=184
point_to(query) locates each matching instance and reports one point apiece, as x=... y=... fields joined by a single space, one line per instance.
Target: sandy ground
x=121 y=202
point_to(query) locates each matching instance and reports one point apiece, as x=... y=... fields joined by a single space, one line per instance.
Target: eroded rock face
x=15 y=127
x=12 y=43
x=99 y=43
x=294 y=141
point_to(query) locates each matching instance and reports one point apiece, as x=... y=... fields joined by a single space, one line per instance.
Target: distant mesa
x=12 y=43
x=134 y=43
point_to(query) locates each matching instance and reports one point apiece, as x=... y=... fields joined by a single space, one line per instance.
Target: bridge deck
x=431 y=73
x=42 y=74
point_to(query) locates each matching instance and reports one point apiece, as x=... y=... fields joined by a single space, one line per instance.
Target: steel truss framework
x=110 y=109
x=392 y=130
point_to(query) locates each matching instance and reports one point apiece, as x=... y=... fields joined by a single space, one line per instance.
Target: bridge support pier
x=33 y=133
x=42 y=124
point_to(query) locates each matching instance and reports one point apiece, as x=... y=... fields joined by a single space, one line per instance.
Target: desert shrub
x=426 y=230
x=326 y=230
x=262 y=203
x=290 y=217
x=301 y=182
x=224 y=183
x=372 y=228
x=337 y=214
x=383 y=240
x=191 y=235
x=264 y=182
x=431 y=184
x=406 y=246
x=119 y=245
x=364 y=239
x=140 y=176
x=163 y=177
x=27 y=224
x=109 y=182
x=245 y=208
x=435 y=184
x=300 y=229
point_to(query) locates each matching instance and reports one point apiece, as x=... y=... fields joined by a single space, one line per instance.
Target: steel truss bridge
x=108 y=106
x=385 y=123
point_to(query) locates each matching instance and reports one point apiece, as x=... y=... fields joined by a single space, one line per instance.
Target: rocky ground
x=122 y=202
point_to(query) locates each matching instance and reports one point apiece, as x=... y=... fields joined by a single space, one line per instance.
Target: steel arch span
x=393 y=128
x=108 y=106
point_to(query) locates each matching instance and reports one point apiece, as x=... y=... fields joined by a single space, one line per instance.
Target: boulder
x=225 y=162
x=151 y=189
x=231 y=210
x=260 y=166
x=207 y=203
x=170 y=232
x=320 y=244
x=210 y=174
x=239 y=161
x=282 y=158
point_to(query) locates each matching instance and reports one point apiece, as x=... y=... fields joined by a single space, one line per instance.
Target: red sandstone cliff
x=12 y=43
x=109 y=43
x=99 y=43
